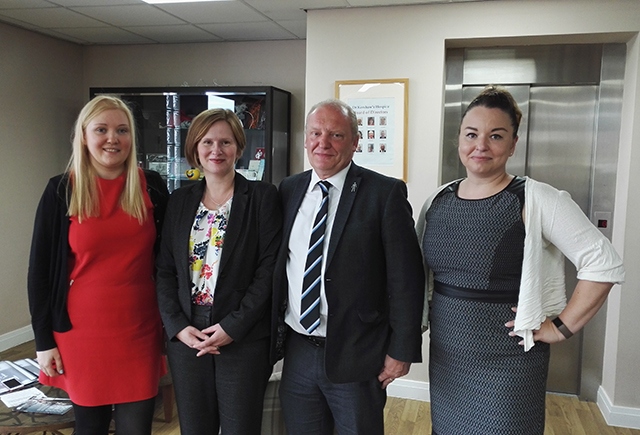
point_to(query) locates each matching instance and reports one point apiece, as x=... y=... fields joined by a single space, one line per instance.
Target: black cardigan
x=48 y=276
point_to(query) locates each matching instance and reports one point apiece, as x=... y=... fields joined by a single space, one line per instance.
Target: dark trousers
x=313 y=405
x=224 y=391
x=133 y=418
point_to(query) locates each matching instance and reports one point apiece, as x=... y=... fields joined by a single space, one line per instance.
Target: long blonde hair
x=84 y=201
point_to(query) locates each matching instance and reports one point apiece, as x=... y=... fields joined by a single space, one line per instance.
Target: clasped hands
x=207 y=341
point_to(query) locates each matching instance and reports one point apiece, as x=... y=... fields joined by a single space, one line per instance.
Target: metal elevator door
x=561 y=146
x=555 y=146
x=570 y=96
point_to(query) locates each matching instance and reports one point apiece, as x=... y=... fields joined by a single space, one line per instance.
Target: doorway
x=571 y=98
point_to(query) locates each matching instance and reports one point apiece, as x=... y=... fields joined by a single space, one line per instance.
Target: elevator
x=571 y=99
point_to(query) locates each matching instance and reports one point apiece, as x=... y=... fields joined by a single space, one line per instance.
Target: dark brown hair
x=497 y=97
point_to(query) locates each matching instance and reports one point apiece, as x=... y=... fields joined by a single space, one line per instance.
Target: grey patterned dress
x=481 y=380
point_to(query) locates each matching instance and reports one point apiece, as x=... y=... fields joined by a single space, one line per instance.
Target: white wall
x=39 y=99
x=410 y=41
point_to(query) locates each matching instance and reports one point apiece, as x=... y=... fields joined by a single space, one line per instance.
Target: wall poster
x=381 y=108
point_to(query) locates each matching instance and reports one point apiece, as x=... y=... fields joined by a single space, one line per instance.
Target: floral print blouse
x=205 y=250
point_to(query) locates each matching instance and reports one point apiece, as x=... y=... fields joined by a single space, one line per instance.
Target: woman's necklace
x=218 y=204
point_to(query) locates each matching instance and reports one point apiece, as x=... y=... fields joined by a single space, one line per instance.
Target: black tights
x=133 y=418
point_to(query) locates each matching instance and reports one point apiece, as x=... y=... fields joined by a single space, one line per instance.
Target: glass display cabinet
x=163 y=116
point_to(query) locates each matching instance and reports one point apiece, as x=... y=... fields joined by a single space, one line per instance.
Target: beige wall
x=39 y=99
x=410 y=41
x=274 y=63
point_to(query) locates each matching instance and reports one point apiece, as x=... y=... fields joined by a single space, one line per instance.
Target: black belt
x=313 y=340
x=492 y=296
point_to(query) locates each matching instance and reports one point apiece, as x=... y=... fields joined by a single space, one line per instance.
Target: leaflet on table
x=46 y=405
x=29 y=365
x=14 y=375
x=17 y=398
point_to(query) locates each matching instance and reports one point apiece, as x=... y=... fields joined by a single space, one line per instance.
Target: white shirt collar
x=336 y=180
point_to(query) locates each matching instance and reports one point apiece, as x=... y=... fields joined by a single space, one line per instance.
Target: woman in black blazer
x=214 y=283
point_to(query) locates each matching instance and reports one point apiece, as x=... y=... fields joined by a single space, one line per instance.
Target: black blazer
x=243 y=290
x=374 y=279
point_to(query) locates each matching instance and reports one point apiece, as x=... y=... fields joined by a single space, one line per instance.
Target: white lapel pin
x=354 y=186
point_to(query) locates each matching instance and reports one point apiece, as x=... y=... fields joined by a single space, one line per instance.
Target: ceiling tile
x=215 y=12
x=288 y=14
x=63 y=36
x=243 y=32
x=23 y=4
x=278 y=10
x=50 y=18
x=74 y=3
x=18 y=23
x=139 y=15
x=297 y=27
x=367 y=3
x=168 y=23
x=284 y=5
x=174 y=34
x=105 y=35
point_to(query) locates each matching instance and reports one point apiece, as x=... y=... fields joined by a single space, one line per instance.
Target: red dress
x=113 y=352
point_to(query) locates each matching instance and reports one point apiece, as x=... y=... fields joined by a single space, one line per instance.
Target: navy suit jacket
x=374 y=278
x=243 y=289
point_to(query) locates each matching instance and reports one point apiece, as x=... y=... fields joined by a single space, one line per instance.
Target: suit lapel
x=348 y=196
x=236 y=218
x=293 y=204
x=188 y=213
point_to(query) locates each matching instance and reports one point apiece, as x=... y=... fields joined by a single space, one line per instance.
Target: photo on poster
x=374 y=110
x=381 y=112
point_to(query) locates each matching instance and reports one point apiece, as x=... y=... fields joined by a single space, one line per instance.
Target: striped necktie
x=310 y=301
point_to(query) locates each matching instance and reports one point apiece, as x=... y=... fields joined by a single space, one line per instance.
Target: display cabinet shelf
x=163 y=116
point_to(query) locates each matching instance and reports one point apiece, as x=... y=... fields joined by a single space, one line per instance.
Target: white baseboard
x=617 y=415
x=406 y=389
x=14 y=338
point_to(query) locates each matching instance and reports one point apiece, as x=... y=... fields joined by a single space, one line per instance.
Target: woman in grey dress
x=494 y=244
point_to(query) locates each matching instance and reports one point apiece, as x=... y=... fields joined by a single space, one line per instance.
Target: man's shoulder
x=376 y=179
x=298 y=176
x=292 y=180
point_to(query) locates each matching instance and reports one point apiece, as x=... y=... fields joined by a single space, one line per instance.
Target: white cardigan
x=554 y=225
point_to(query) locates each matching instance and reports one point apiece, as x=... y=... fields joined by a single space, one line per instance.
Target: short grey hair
x=343 y=107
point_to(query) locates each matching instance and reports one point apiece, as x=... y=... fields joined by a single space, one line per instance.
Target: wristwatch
x=562 y=327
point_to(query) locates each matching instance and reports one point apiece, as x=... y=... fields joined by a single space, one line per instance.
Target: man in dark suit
x=350 y=299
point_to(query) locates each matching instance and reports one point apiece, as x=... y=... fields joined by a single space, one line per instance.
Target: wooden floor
x=566 y=415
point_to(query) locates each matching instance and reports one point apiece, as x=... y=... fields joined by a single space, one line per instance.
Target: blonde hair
x=84 y=201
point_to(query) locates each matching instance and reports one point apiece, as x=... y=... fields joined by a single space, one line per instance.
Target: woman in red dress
x=91 y=289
